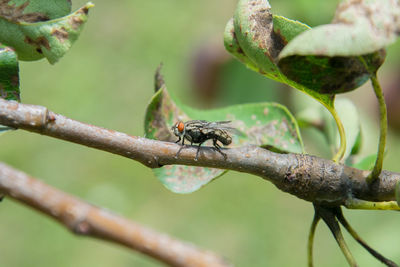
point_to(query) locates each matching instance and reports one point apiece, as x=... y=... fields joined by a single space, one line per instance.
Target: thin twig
x=84 y=219
x=310 y=178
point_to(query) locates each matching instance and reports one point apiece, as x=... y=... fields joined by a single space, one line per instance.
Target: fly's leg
x=198 y=150
x=218 y=148
x=178 y=140
x=180 y=149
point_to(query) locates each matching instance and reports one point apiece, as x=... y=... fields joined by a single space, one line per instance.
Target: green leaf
x=288 y=29
x=34 y=10
x=330 y=75
x=266 y=124
x=233 y=47
x=317 y=62
x=9 y=74
x=358 y=28
x=326 y=58
x=39 y=39
x=253 y=27
x=357 y=144
x=9 y=77
x=366 y=163
x=256 y=37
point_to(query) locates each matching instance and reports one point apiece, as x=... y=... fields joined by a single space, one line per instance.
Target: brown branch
x=84 y=219
x=313 y=179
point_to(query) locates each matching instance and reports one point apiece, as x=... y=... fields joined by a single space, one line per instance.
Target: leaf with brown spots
x=326 y=58
x=265 y=124
x=33 y=10
x=49 y=36
x=256 y=37
x=320 y=62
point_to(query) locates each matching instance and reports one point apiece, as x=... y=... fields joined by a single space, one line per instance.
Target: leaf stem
x=311 y=239
x=342 y=148
x=354 y=203
x=376 y=171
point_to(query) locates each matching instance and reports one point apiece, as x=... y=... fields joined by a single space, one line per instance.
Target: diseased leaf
x=330 y=75
x=358 y=28
x=266 y=124
x=256 y=37
x=9 y=77
x=316 y=61
x=44 y=38
x=233 y=47
x=34 y=10
x=326 y=58
x=253 y=29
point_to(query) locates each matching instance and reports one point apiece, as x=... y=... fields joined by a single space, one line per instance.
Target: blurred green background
x=107 y=80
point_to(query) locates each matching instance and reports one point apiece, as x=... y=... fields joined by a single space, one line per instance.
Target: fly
x=199 y=131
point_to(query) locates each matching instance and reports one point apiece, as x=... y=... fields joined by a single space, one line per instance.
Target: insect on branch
x=199 y=131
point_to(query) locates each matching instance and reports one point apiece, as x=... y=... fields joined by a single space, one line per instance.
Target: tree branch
x=84 y=219
x=310 y=178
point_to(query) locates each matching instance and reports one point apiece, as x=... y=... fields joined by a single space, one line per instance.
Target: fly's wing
x=212 y=125
x=224 y=125
x=196 y=124
x=219 y=125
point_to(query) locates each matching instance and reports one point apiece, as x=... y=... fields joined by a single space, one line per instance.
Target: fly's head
x=179 y=129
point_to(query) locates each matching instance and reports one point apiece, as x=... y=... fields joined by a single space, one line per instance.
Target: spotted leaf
x=327 y=58
x=38 y=29
x=256 y=37
x=268 y=125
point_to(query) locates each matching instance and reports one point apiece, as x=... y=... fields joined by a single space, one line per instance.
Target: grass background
x=107 y=80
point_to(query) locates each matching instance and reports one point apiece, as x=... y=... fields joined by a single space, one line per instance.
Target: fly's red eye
x=180 y=126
